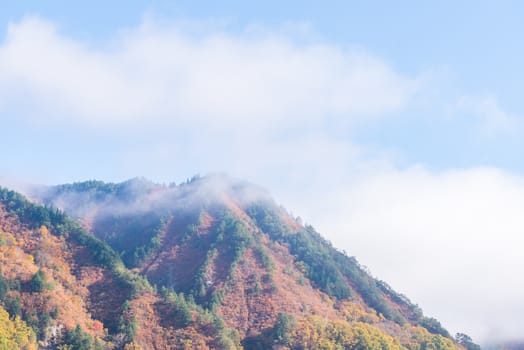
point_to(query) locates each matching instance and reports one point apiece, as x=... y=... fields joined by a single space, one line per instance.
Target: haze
x=394 y=129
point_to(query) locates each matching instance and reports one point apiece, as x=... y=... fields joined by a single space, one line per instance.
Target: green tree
x=38 y=282
x=182 y=315
x=3 y=288
x=12 y=305
x=466 y=340
x=283 y=326
x=78 y=339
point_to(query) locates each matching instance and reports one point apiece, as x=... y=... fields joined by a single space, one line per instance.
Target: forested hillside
x=213 y=263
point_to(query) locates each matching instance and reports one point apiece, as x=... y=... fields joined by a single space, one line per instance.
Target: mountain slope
x=226 y=245
x=63 y=288
x=51 y=270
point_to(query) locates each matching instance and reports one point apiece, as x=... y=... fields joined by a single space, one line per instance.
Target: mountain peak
x=220 y=247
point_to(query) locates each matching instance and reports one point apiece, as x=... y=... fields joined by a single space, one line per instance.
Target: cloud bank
x=452 y=241
x=163 y=73
x=165 y=99
x=491 y=119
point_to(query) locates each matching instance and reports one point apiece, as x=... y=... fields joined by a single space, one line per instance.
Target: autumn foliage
x=175 y=268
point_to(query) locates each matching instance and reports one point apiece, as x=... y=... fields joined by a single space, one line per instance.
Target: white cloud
x=165 y=73
x=451 y=241
x=16 y=185
x=490 y=118
x=234 y=102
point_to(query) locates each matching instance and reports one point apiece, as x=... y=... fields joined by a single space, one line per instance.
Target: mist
x=138 y=196
x=452 y=241
x=165 y=102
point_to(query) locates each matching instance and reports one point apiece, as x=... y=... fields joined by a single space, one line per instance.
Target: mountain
x=210 y=263
x=515 y=345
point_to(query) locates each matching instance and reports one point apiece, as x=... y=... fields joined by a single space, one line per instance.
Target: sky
x=394 y=128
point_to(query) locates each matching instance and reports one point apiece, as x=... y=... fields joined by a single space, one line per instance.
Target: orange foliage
x=98 y=327
x=23 y=252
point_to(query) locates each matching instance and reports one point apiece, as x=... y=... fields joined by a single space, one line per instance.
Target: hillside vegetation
x=212 y=263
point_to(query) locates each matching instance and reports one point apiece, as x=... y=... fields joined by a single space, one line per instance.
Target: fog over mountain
x=213 y=263
x=396 y=137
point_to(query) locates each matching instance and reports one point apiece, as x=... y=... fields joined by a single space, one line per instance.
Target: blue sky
x=375 y=121
x=471 y=48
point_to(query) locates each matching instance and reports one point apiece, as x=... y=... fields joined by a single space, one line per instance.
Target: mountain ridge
x=225 y=248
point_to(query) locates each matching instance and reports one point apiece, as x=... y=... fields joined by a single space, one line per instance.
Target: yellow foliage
x=44 y=231
x=354 y=312
x=422 y=339
x=132 y=346
x=187 y=344
x=319 y=334
x=328 y=300
x=7 y=238
x=15 y=334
